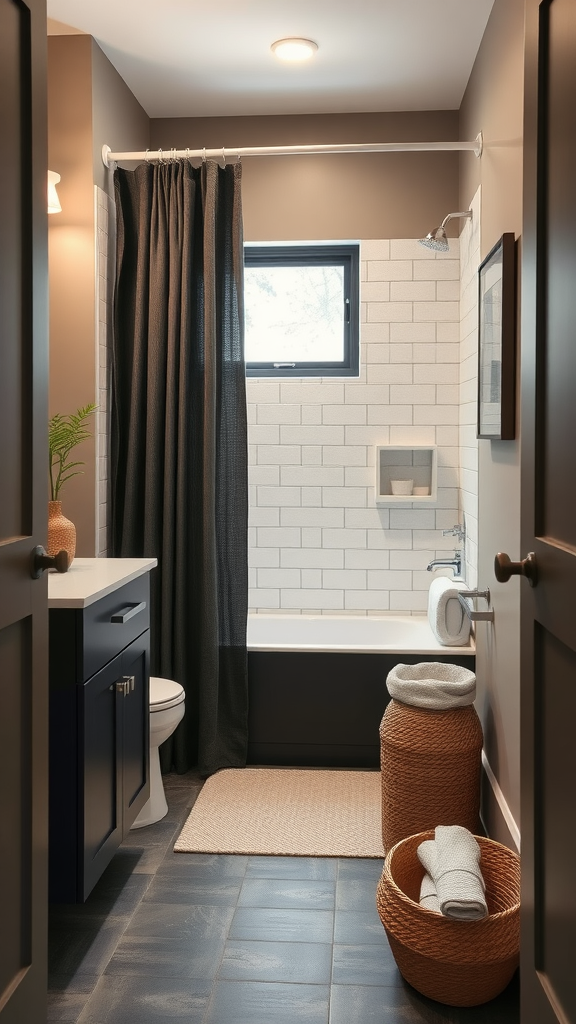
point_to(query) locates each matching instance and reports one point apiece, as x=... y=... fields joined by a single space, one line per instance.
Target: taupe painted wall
x=88 y=104
x=396 y=195
x=494 y=102
x=71 y=261
x=118 y=120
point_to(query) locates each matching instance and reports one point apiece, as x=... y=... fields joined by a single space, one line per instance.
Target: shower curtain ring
x=160 y=156
x=223 y=157
x=147 y=156
x=204 y=155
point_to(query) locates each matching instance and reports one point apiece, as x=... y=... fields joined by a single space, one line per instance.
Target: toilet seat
x=164 y=694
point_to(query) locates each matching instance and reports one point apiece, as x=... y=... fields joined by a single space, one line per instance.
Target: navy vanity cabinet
x=114 y=718
x=99 y=733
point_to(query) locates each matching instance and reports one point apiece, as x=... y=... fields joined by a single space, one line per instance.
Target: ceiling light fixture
x=294 y=50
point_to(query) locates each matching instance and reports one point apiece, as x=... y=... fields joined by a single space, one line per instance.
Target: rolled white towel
x=428 y=895
x=448 y=620
x=452 y=859
x=433 y=685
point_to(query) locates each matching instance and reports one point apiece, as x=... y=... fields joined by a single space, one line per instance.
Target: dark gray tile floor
x=201 y=939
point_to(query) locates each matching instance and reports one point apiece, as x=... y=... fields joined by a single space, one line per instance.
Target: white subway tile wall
x=468 y=457
x=317 y=541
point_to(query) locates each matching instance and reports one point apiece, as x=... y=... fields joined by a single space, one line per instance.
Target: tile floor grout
x=210 y=939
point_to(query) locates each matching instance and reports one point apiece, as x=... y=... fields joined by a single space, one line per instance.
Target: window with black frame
x=302 y=310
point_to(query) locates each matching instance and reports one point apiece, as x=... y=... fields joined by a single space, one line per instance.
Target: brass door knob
x=504 y=568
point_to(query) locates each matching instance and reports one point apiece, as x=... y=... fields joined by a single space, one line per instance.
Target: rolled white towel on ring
x=452 y=859
x=447 y=618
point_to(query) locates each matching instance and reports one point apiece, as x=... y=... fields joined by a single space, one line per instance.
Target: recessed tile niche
x=397 y=464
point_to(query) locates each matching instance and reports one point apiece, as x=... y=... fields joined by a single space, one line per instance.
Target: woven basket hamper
x=430 y=770
x=461 y=963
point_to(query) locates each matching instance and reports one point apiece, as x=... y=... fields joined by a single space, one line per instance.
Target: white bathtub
x=317 y=684
x=393 y=634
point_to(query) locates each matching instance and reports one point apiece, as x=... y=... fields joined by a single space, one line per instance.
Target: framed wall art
x=497 y=342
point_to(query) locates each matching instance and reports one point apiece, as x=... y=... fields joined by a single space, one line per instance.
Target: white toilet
x=166 y=710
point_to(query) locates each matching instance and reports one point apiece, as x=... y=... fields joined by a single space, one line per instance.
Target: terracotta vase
x=61 y=532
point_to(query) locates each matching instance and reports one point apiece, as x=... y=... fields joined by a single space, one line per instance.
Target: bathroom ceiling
x=182 y=58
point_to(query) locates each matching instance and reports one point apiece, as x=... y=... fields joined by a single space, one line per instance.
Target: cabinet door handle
x=125 y=685
x=128 y=612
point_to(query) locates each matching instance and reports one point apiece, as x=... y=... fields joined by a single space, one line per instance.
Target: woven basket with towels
x=458 y=962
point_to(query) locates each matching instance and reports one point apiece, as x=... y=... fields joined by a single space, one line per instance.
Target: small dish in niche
x=421 y=491
x=401 y=486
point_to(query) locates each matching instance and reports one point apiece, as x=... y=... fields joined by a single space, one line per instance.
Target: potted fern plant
x=65 y=433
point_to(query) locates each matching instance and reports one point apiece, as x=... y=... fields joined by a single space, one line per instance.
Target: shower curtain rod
x=109 y=158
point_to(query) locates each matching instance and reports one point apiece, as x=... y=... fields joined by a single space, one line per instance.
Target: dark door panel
x=548 y=649
x=23 y=425
x=556 y=703
x=15 y=261
x=23 y=429
x=15 y=802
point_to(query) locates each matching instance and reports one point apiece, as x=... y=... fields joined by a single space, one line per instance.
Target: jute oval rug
x=287 y=812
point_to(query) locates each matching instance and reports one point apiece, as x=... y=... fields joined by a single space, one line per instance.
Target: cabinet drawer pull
x=128 y=612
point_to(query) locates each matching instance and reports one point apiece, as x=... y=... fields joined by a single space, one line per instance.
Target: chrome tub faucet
x=448 y=563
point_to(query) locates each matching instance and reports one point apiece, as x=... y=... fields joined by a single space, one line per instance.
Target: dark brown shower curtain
x=179 y=440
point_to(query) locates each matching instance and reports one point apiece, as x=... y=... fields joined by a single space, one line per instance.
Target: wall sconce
x=53 y=200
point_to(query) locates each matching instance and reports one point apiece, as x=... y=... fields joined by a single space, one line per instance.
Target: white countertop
x=89 y=579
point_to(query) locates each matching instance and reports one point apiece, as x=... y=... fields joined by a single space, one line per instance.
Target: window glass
x=301 y=310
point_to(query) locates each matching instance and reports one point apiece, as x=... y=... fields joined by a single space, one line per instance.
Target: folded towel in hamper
x=448 y=620
x=433 y=685
x=428 y=895
x=452 y=860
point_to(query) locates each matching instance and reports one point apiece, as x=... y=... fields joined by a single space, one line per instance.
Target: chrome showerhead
x=436 y=239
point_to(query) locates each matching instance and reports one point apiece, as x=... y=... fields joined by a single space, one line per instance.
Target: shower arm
x=452 y=216
x=165 y=156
